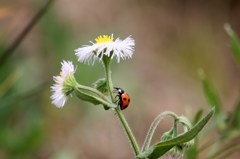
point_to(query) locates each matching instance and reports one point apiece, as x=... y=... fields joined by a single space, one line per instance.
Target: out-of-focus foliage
x=213 y=101
x=20 y=120
x=227 y=125
x=235 y=42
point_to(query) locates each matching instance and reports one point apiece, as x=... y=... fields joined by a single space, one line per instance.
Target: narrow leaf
x=162 y=147
x=86 y=97
x=198 y=116
x=93 y=96
x=235 y=42
x=213 y=100
x=210 y=92
x=235 y=119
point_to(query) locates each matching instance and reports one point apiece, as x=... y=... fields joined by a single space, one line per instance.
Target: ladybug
x=123 y=98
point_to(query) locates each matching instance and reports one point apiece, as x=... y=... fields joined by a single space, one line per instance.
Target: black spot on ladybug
x=123 y=98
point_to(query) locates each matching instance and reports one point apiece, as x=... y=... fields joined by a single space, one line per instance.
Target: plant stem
x=128 y=131
x=153 y=127
x=118 y=112
x=108 y=77
x=175 y=128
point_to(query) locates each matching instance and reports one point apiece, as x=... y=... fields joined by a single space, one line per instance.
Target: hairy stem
x=128 y=131
x=118 y=112
x=153 y=127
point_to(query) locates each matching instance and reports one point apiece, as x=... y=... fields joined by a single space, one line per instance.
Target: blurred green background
x=173 y=40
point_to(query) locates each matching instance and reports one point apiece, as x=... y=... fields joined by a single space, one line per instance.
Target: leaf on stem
x=86 y=97
x=161 y=148
x=93 y=96
x=101 y=85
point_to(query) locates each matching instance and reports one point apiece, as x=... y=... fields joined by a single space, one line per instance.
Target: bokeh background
x=174 y=39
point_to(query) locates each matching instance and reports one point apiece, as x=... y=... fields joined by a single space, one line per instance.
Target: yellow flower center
x=104 y=38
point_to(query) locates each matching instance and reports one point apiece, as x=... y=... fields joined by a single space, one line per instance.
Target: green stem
x=175 y=128
x=108 y=76
x=118 y=112
x=128 y=131
x=153 y=127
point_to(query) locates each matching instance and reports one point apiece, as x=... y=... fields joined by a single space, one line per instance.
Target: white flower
x=106 y=46
x=63 y=84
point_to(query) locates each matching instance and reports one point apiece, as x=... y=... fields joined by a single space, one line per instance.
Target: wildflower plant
x=105 y=49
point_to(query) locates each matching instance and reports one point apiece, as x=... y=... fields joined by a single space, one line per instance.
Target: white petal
x=122 y=49
x=58 y=97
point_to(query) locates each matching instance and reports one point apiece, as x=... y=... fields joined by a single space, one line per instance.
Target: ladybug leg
x=117 y=98
x=120 y=104
x=115 y=89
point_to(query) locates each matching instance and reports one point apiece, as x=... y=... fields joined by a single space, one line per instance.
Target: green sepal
x=167 y=135
x=161 y=148
x=69 y=84
x=101 y=85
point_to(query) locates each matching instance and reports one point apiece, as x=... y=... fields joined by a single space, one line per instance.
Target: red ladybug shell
x=124 y=98
x=124 y=101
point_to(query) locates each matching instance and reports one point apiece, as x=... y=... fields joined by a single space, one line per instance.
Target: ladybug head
x=119 y=90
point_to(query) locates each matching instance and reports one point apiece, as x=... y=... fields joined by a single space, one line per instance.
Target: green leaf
x=162 y=147
x=87 y=97
x=210 y=92
x=101 y=85
x=235 y=42
x=213 y=100
x=198 y=116
x=93 y=96
x=235 y=119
